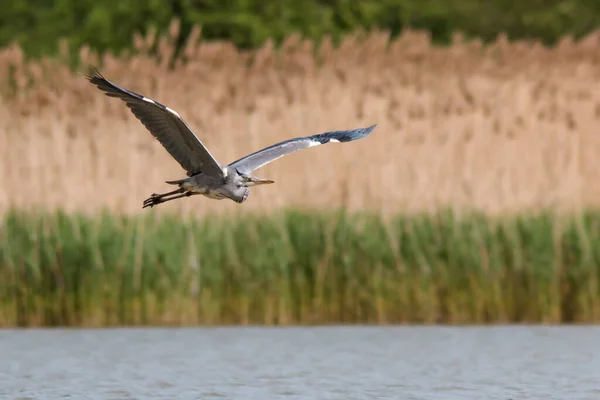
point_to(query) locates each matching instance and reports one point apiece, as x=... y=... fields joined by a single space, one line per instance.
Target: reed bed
x=472 y=201
x=297 y=268
x=505 y=128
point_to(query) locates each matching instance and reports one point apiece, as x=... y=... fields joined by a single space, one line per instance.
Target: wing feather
x=166 y=126
x=269 y=154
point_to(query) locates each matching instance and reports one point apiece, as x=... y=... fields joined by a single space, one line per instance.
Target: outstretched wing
x=262 y=157
x=166 y=126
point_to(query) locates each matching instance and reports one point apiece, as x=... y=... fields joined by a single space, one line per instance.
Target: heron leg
x=155 y=198
x=158 y=199
x=176 y=191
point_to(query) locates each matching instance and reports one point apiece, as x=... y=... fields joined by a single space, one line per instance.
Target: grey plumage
x=262 y=157
x=165 y=125
x=206 y=175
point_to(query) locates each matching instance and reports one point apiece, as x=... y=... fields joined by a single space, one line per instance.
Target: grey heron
x=205 y=175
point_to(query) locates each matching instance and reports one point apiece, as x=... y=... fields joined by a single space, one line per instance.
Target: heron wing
x=166 y=126
x=262 y=157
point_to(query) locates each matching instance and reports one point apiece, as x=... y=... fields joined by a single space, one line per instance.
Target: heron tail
x=177 y=182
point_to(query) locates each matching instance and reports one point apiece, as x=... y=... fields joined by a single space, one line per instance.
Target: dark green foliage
x=296 y=267
x=110 y=24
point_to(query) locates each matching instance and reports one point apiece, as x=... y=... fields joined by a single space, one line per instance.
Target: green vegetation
x=110 y=24
x=294 y=267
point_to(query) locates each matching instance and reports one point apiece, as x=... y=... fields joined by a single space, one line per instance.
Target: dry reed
x=504 y=128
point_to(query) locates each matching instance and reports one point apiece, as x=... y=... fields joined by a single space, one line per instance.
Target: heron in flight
x=205 y=175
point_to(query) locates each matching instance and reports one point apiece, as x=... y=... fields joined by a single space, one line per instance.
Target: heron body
x=205 y=175
x=232 y=185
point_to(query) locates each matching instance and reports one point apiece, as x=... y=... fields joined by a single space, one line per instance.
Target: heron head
x=236 y=186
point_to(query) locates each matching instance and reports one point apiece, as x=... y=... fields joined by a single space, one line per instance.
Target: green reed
x=297 y=267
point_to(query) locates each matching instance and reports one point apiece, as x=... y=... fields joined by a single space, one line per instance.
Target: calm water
x=302 y=363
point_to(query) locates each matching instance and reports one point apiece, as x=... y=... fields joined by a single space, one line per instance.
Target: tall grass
x=505 y=128
x=297 y=268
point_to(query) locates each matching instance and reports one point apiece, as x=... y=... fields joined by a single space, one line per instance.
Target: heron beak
x=253 y=181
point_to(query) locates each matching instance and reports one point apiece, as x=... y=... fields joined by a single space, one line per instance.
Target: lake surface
x=302 y=363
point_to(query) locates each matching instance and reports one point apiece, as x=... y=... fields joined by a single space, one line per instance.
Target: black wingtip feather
x=344 y=136
x=110 y=89
x=96 y=78
x=94 y=75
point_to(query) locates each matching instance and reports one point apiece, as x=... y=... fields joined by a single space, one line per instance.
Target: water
x=302 y=363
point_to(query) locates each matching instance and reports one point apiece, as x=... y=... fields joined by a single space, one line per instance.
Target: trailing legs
x=155 y=199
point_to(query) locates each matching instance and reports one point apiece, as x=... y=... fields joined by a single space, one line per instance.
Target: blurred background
x=475 y=200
